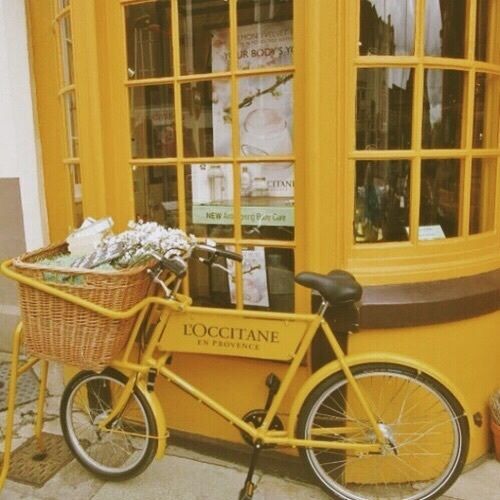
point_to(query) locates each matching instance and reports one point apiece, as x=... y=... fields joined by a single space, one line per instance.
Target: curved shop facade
x=307 y=134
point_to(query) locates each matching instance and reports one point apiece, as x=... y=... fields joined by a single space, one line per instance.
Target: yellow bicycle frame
x=158 y=350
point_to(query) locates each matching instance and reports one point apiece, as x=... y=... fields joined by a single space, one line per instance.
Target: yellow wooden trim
x=212 y=159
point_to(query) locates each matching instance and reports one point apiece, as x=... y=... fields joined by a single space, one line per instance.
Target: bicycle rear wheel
x=426 y=430
x=120 y=452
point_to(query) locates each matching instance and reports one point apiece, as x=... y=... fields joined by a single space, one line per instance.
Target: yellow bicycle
x=368 y=426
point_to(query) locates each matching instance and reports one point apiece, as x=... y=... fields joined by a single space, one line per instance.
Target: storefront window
x=384 y=108
x=71 y=123
x=443 y=108
x=268 y=279
x=66 y=40
x=420 y=107
x=482 y=196
x=382 y=201
x=209 y=200
x=206 y=113
x=149 y=39
x=387 y=27
x=204 y=25
x=155 y=194
x=486 y=110
x=237 y=165
x=69 y=112
x=265 y=33
x=487 y=36
x=439 y=199
x=152 y=121
x=445 y=28
x=267 y=200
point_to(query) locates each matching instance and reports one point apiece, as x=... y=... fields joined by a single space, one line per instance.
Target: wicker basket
x=55 y=329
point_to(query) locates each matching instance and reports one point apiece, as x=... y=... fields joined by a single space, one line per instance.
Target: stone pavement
x=188 y=475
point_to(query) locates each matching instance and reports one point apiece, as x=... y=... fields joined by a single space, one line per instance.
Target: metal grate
x=31 y=466
x=27 y=386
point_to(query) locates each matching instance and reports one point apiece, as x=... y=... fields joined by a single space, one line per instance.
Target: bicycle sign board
x=232 y=335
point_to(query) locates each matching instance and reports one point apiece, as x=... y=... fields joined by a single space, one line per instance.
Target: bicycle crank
x=256 y=418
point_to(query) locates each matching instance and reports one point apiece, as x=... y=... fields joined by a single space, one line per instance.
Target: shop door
x=205 y=124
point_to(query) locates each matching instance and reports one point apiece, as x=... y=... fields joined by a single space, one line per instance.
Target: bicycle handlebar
x=219 y=252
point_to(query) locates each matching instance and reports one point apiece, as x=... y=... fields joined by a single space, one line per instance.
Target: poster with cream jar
x=266 y=129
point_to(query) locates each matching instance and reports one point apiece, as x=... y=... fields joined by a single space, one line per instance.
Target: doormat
x=28 y=465
x=27 y=386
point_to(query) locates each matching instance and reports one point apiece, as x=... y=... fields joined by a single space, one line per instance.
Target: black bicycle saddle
x=335 y=287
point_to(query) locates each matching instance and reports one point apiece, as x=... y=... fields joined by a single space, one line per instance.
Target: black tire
x=127 y=449
x=426 y=427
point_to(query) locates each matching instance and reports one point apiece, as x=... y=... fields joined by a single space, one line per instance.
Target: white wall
x=18 y=144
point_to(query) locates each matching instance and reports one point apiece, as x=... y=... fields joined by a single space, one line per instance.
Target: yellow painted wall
x=467 y=352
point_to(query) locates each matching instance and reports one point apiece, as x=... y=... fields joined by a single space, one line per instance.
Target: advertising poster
x=255 y=290
x=266 y=129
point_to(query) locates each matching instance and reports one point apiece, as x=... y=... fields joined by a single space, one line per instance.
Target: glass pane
x=76 y=192
x=152 y=121
x=206 y=112
x=482 y=195
x=265 y=33
x=439 y=199
x=268 y=279
x=387 y=27
x=443 y=108
x=66 y=50
x=71 y=123
x=486 y=111
x=155 y=194
x=149 y=39
x=204 y=36
x=267 y=201
x=384 y=108
x=487 y=36
x=209 y=200
x=209 y=286
x=445 y=28
x=382 y=201
x=266 y=115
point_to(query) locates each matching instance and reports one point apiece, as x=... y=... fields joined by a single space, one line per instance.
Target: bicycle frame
x=263 y=434
x=154 y=359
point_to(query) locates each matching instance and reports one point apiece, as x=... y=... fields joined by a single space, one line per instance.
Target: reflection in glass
x=76 y=193
x=487 y=37
x=155 y=194
x=268 y=279
x=266 y=115
x=486 y=111
x=209 y=200
x=149 y=39
x=204 y=36
x=445 y=28
x=384 y=108
x=482 y=195
x=71 y=123
x=209 y=286
x=267 y=201
x=265 y=33
x=66 y=50
x=439 y=199
x=443 y=108
x=382 y=201
x=206 y=111
x=152 y=121
x=387 y=27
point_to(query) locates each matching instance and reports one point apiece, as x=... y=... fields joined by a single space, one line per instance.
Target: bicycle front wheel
x=125 y=448
x=426 y=432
